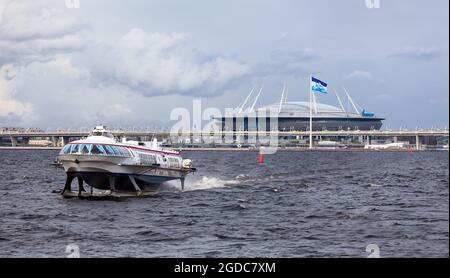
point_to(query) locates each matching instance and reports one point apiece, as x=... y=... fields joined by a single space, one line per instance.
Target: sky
x=78 y=63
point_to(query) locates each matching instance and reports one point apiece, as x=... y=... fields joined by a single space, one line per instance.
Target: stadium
x=295 y=116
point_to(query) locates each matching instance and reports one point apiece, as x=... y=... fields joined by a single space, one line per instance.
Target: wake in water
x=200 y=184
x=212 y=182
x=206 y=182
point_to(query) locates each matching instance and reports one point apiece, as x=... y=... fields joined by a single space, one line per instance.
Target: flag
x=318 y=86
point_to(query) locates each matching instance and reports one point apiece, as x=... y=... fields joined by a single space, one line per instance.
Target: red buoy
x=261 y=157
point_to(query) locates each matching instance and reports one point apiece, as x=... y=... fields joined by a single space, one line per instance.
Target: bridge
x=59 y=138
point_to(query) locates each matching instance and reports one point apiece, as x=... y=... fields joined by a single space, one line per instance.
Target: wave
x=208 y=183
x=202 y=184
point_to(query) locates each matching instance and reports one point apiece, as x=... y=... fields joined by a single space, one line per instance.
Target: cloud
x=11 y=110
x=49 y=58
x=438 y=101
x=288 y=62
x=76 y=67
x=61 y=95
x=283 y=37
x=417 y=53
x=301 y=55
x=31 y=31
x=383 y=96
x=115 y=112
x=362 y=74
x=152 y=64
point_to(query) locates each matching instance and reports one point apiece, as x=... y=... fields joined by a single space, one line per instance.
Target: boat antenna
x=351 y=101
x=256 y=99
x=245 y=101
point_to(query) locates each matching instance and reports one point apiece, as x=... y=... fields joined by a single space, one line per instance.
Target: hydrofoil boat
x=106 y=164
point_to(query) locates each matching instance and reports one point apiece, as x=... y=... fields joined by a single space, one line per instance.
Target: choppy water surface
x=298 y=204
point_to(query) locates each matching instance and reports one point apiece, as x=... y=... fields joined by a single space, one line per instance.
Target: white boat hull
x=104 y=163
x=113 y=173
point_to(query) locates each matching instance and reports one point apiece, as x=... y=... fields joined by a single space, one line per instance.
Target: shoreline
x=293 y=149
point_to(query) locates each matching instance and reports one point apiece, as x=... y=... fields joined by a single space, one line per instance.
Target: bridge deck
x=220 y=133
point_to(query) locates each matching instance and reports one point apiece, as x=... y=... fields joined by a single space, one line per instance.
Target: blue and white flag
x=318 y=86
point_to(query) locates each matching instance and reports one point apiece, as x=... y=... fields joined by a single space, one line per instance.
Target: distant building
x=296 y=116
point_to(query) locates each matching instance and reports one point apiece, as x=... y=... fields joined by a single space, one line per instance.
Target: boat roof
x=91 y=140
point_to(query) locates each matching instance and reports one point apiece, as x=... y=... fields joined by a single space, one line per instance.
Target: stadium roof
x=301 y=109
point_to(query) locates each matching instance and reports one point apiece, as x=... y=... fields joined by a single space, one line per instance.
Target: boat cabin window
x=174 y=162
x=74 y=148
x=66 y=149
x=95 y=149
x=84 y=149
x=147 y=159
x=109 y=150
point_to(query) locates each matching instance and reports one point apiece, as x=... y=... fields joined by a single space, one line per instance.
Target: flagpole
x=310 y=113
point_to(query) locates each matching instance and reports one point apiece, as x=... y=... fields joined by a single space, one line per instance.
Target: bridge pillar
x=417 y=142
x=13 y=141
x=54 y=141
x=61 y=141
x=25 y=141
